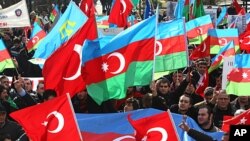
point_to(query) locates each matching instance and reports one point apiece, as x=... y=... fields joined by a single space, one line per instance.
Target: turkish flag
x=237 y=6
x=53 y=120
x=245 y=40
x=155 y=128
x=120 y=12
x=243 y=119
x=203 y=85
x=62 y=70
x=203 y=50
x=88 y=7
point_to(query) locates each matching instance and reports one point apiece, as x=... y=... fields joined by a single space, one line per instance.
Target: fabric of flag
x=245 y=40
x=178 y=13
x=237 y=6
x=226 y=51
x=102 y=21
x=186 y=9
x=49 y=121
x=88 y=7
x=55 y=12
x=241 y=119
x=221 y=37
x=125 y=61
x=171 y=46
x=203 y=85
x=197 y=29
x=5 y=58
x=64 y=76
x=37 y=34
x=222 y=15
x=238 y=79
x=201 y=51
x=111 y=126
x=147 y=128
x=135 y=3
x=148 y=11
x=71 y=20
x=120 y=12
x=198 y=10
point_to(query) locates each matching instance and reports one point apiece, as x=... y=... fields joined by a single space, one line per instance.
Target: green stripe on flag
x=197 y=40
x=171 y=61
x=237 y=88
x=158 y=75
x=8 y=63
x=216 y=48
x=138 y=74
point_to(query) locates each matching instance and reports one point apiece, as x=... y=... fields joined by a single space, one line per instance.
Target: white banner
x=228 y=65
x=15 y=16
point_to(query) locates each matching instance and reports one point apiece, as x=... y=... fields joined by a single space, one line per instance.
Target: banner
x=15 y=16
x=239 y=21
x=228 y=65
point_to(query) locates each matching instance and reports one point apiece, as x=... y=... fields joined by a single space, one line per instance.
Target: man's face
x=164 y=88
x=203 y=117
x=202 y=69
x=4 y=95
x=6 y=83
x=28 y=85
x=223 y=101
x=208 y=98
x=128 y=107
x=177 y=76
x=184 y=103
x=2 y=117
x=40 y=88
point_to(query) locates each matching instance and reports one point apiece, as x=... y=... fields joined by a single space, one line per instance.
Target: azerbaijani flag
x=54 y=13
x=198 y=9
x=221 y=37
x=5 y=59
x=197 y=29
x=226 y=51
x=102 y=21
x=171 y=46
x=127 y=60
x=37 y=35
x=238 y=79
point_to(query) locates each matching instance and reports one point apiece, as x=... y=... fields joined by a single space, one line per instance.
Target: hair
x=134 y=102
x=164 y=80
x=49 y=92
x=190 y=98
x=2 y=88
x=209 y=110
x=39 y=84
x=3 y=77
x=208 y=91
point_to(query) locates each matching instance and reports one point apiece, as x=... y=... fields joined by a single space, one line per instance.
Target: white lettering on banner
x=228 y=65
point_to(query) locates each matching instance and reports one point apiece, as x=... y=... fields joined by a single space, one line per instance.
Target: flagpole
x=156 y=32
x=185 y=37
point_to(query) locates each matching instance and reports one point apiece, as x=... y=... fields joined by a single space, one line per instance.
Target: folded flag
x=5 y=58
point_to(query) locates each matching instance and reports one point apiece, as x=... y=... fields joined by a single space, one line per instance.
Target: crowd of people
x=175 y=92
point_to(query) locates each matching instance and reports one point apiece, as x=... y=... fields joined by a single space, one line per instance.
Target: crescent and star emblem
x=124 y=6
x=60 y=119
x=121 y=60
x=78 y=50
x=159 y=48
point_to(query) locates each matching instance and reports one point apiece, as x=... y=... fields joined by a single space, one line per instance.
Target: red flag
x=203 y=50
x=226 y=127
x=53 y=120
x=203 y=85
x=120 y=12
x=245 y=40
x=237 y=6
x=88 y=7
x=62 y=70
x=243 y=118
x=155 y=128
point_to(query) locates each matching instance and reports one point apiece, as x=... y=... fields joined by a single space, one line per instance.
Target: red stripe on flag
x=222 y=41
x=4 y=54
x=239 y=75
x=33 y=41
x=137 y=51
x=199 y=31
x=172 y=45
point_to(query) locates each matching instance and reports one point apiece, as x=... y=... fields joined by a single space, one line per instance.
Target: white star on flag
x=243 y=120
x=105 y=67
x=244 y=75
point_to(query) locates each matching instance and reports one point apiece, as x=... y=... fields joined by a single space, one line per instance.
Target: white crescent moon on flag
x=162 y=131
x=222 y=41
x=124 y=137
x=204 y=47
x=78 y=50
x=199 y=30
x=124 y=6
x=86 y=7
x=248 y=37
x=35 y=39
x=60 y=119
x=121 y=59
x=159 y=48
